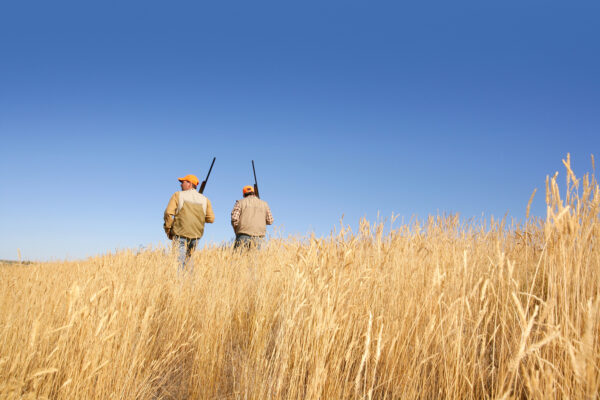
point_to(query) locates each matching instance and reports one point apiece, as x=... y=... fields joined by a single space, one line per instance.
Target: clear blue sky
x=348 y=108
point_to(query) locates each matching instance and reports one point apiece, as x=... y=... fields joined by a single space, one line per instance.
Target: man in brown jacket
x=185 y=216
x=249 y=218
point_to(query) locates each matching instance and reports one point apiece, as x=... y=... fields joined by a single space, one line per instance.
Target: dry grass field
x=433 y=309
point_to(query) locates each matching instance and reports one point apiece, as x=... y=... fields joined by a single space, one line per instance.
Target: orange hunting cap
x=248 y=189
x=190 y=178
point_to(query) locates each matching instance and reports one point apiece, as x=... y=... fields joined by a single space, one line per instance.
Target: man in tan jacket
x=185 y=216
x=249 y=218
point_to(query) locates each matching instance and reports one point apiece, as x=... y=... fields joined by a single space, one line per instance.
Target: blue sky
x=348 y=108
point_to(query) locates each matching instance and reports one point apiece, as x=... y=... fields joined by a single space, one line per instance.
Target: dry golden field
x=432 y=309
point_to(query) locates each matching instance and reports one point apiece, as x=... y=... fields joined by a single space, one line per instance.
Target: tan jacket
x=186 y=214
x=250 y=216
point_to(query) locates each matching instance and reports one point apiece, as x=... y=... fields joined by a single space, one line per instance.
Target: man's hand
x=169 y=232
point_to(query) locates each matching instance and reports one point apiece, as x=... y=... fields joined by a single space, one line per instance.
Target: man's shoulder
x=257 y=200
x=250 y=199
x=191 y=193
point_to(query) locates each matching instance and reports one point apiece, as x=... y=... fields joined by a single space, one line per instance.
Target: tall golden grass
x=433 y=309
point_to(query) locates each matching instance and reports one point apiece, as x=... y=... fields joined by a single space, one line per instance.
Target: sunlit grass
x=434 y=309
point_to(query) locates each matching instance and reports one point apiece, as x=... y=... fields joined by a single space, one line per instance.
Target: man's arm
x=210 y=215
x=170 y=213
x=235 y=214
x=269 y=219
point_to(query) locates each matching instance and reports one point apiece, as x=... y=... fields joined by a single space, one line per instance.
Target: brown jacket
x=186 y=214
x=250 y=216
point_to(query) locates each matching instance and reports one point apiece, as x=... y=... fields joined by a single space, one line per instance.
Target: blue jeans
x=246 y=241
x=185 y=247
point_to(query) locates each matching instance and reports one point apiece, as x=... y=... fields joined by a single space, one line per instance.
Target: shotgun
x=255 y=182
x=201 y=190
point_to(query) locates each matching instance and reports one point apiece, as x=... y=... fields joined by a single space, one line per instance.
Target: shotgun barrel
x=255 y=181
x=201 y=190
